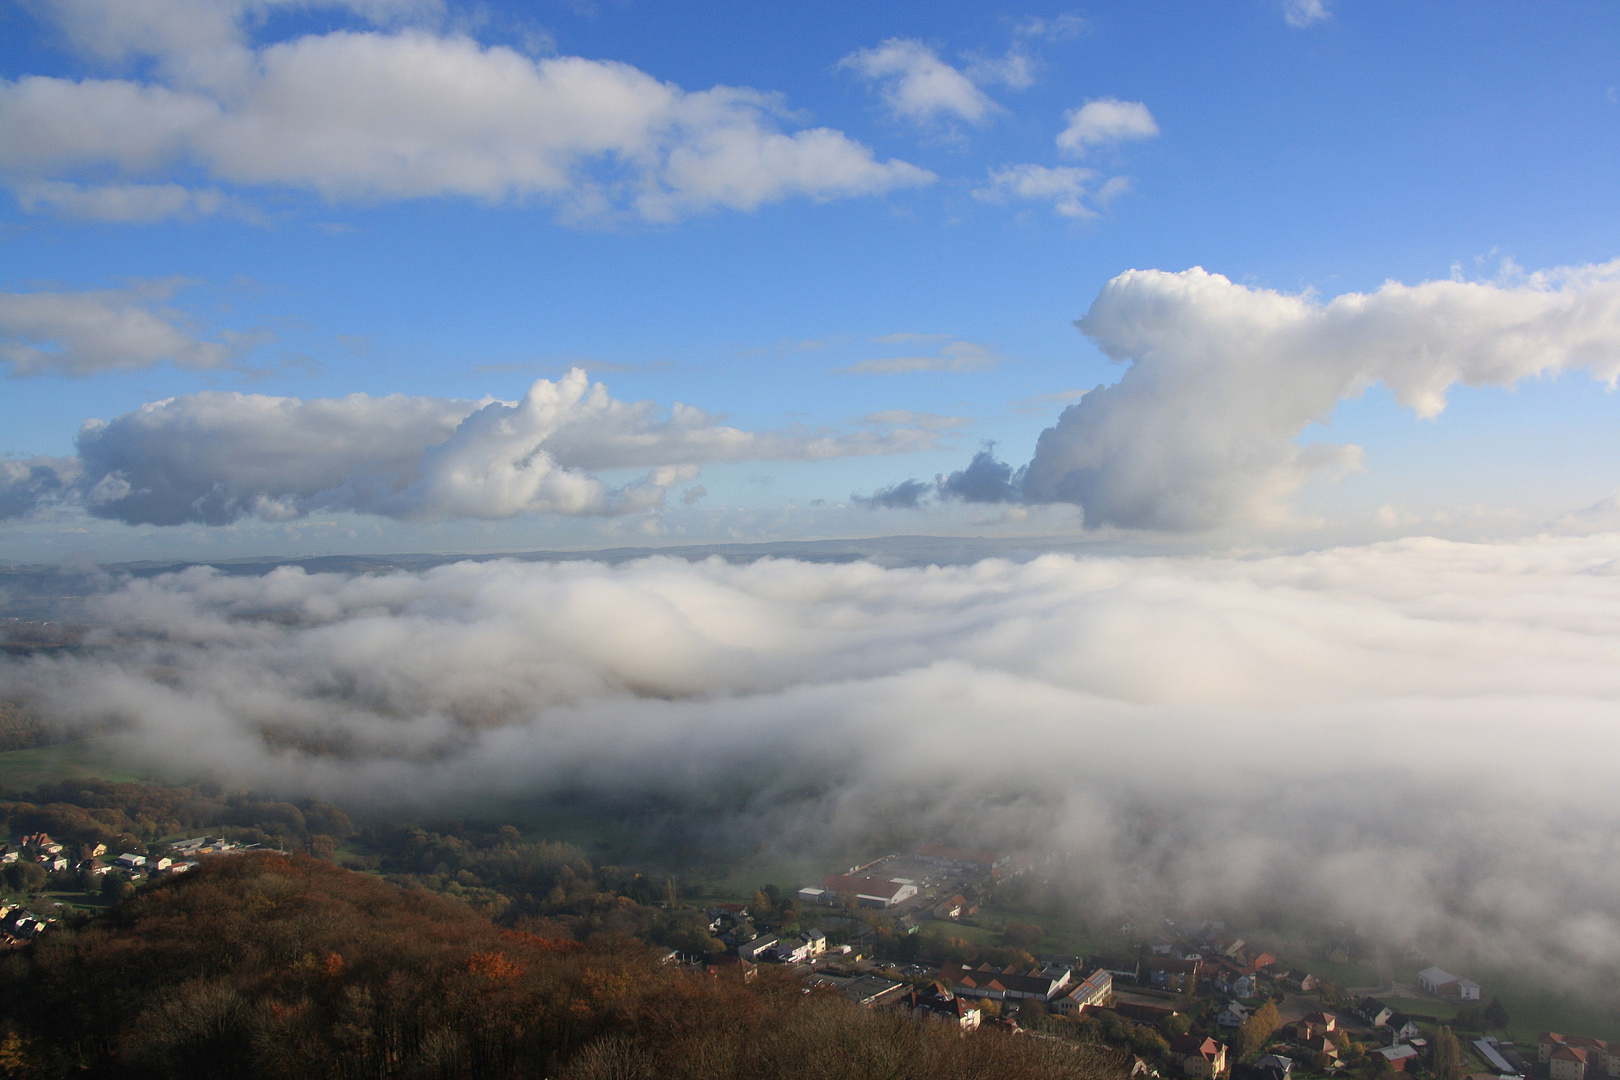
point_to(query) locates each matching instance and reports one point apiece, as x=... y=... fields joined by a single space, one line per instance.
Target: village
x=37 y=864
x=1196 y=1002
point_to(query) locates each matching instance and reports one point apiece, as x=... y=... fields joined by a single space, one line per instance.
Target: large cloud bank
x=214 y=457
x=395 y=108
x=1203 y=428
x=1412 y=735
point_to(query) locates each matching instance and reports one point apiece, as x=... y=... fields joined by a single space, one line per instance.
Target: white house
x=752 y=950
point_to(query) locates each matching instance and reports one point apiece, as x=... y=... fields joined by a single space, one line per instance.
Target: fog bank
x=1412 y=735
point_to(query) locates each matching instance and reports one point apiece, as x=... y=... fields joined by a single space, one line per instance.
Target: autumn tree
x=1445 y=1056
x=1022 y=935
x=1257 y=1030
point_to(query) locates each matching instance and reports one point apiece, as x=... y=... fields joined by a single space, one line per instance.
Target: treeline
x=133 y=816
x=523 y=882
x=21 y=730
x=264 y=966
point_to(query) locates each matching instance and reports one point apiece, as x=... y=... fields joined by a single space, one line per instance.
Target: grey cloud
x=87 y=333
x=906 y=495
x=26 y=484
x=1206 y=733
x=985 y=480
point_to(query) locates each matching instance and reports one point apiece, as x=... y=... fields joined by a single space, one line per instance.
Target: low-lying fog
x=1416 y=736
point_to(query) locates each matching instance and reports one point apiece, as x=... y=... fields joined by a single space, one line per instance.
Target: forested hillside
x=271 y=966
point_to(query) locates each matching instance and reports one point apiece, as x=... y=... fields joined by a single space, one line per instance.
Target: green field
x=23 y=770
x=1065 y=935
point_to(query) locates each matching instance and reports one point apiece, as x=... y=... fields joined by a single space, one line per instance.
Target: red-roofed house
x=1568 y=1063
x=1200 y=1057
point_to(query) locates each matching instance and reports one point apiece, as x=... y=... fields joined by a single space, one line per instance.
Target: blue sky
x=162 y=163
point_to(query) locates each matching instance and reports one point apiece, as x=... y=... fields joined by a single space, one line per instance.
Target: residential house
x=801 y=947
x=1232 y=1016
x=1095 y=991
x=1171 y=974
x=1282 y=1067
x=755 y=950
x=955 y=907
x=1203 y=1058
x=1321 y=1046
x=1338 y=952
x=1401 y=1027
x=1321 y=1021
x=1442 y=983
x=1261 y=960
x=936 y=1002
x=1601 y=1059
x=1568 y=1063
x=1302 y=981
x=1398 y=1056
x=1373 y=1011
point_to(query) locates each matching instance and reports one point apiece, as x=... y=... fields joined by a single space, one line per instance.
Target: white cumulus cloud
x=1105 y=121
x=401 y=113
x=1070 y=190
x=214 y=457
x=1222 y=379
x=916 y=85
